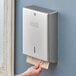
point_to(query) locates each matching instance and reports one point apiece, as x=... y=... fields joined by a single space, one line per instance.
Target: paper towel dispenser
x=40 y=34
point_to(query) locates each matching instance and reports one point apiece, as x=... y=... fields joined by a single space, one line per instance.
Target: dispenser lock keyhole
x=34 y=50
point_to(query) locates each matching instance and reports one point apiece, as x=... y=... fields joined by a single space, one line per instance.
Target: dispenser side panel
x=53 y=37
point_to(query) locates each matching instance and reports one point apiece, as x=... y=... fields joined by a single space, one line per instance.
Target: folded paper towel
x=35 y=61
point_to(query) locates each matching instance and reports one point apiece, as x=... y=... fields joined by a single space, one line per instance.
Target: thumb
x=38 y=70
x=37 y=66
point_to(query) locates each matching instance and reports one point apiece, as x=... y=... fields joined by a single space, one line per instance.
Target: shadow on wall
x=52 y=66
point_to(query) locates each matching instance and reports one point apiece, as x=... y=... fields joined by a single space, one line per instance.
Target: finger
x=39 y=70
x=37 y=66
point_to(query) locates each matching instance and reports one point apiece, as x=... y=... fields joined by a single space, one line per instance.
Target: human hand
x=33 y=71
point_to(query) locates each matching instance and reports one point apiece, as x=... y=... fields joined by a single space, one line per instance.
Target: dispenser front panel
x=35 y=34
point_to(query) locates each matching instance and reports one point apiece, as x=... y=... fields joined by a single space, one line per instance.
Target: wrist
x=23 y=74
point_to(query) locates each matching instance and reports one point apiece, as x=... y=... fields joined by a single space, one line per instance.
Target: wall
x=66 y=37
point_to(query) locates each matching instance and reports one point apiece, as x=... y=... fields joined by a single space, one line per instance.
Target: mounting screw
x=34 y=14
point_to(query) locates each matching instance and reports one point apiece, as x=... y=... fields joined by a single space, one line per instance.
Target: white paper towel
x=35 y=61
